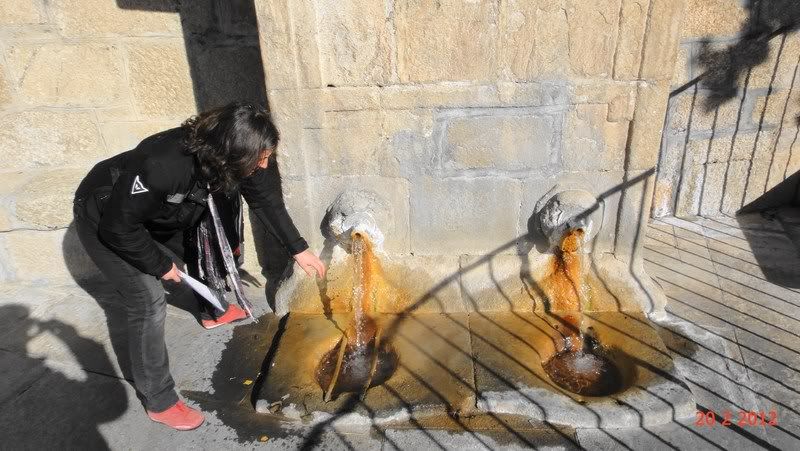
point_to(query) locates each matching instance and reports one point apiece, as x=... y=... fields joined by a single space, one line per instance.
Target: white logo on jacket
x=138 y=187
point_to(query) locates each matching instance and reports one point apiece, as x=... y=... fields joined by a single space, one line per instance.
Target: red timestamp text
x=709 y=418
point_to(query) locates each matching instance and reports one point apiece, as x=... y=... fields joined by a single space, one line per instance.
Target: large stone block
x=349 y=143
x=353 y=37
x=45 y=202
x=56 y=74
x=394 y=191
x=633 y=213
x=5 y=90
x=125 y=135
x=776 y=108
x=648 y=124
x=534 y=41
x=277 y=43
x=78 y=18
x=446 y=40
x=683 y=65
x=464 y=216
x=593 y=28
x=49 y=138
x=591 y=142
x=47 y=255
x=633 y=23
x=227 y=73
x=693 y=112
x=29 y=12
x=501 y=141
x=713 y=18
x=662 y=38
x=9 y=183
x=410 y=141
x=160 y=79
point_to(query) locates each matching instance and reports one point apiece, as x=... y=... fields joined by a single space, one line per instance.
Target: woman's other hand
x=310 y=263
x=172 y=274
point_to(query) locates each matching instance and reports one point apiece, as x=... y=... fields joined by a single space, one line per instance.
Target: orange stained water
x=564 y=286
x=362 y=328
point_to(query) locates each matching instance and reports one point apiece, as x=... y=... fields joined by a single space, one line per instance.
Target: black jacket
x=142 y=196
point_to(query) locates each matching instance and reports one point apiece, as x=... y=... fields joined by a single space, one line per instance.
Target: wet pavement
x=733 y=331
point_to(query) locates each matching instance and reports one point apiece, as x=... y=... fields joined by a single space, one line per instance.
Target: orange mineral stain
x=564 y=286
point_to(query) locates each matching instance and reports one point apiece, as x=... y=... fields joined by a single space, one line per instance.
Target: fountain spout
x=567 y=212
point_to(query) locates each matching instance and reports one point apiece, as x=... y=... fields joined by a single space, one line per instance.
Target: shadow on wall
x=727 y=138
x=221 y=39
x=47 y=408
x=725 y=70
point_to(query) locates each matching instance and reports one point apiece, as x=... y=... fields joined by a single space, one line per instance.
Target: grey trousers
x=145 y=303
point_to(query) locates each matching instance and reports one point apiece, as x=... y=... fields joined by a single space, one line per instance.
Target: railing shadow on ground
x=711 y=273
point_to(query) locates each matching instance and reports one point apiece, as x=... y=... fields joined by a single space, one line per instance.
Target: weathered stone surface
x=593 y=28
x=78 y=18
x=394 y=190
x=277 y=41
x=683 y=65
x=661 y=41
x=777 y=108
x=633 y=23
x=67 y=75
x=22 y=13
x=591 y=142
x=690 y=112
x=349 y=143
x=353 y=39
x=713 y=17
x=500 y=141
x=160 y=79
x=534 y=42
x=463 y=46
x=410 y=141
x=122 y=136
x=49 y=138
x=229 y=74
x=648 y=117
x=45 y=202
x=5 y=90
x=58 y=255
x=777 y=70
x=621 y=109
x=9 y=183
x=429 y=283
x=461 y=216
x=632 y=213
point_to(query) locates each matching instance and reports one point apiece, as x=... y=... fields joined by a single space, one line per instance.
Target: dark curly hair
x=229 y=141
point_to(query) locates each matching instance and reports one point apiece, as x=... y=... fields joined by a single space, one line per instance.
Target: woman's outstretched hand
x=310 y=263
x=172 y=274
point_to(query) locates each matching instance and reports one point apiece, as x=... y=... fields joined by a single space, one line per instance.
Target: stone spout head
x=355 y=211
x=567 y=211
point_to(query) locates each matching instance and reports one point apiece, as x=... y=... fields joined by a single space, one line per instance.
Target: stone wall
x=463 y=114
x=732 y=122
x=81 y=80
x=460 y=114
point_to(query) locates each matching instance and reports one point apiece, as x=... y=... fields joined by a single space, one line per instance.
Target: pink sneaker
x=233 y=314
x=179 y=416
